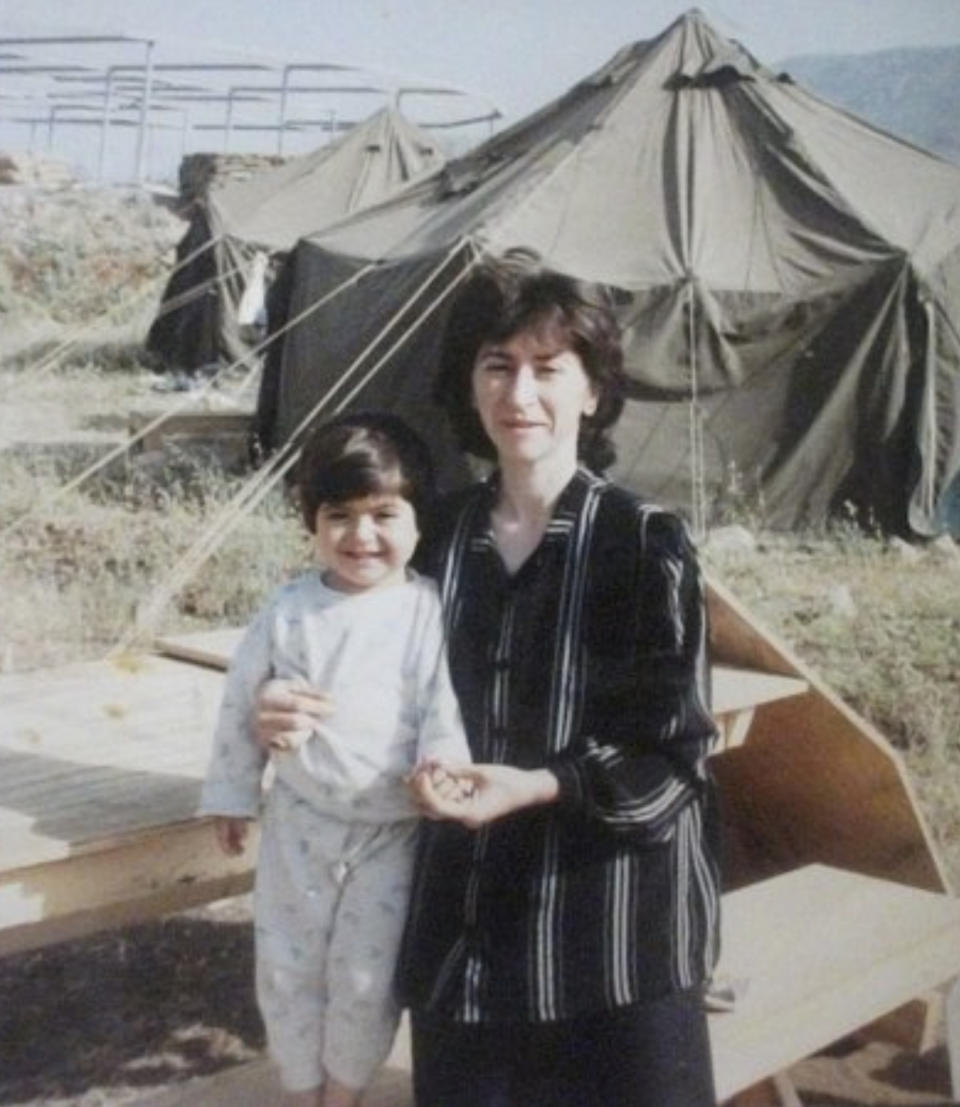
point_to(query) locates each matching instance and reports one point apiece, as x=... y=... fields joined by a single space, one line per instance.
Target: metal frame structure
x=152 y=91
x=30 y=74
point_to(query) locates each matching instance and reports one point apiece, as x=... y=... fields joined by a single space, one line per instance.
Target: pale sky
x=519 y=53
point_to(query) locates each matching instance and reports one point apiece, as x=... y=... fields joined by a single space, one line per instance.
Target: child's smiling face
x=367 y=542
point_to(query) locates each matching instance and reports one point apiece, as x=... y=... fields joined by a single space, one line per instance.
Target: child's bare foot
x=336 y=1094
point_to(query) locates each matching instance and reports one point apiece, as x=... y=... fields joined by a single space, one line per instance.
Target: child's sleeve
x=442 y=735
x=235 y=771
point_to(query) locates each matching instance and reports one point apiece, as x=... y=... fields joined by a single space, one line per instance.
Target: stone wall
x=34 y=171
x=199 y=173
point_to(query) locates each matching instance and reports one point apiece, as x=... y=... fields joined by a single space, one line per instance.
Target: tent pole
x=228 y=120
x=929 y=455
x=697 y=485
x=105 y=124
x=282 y=121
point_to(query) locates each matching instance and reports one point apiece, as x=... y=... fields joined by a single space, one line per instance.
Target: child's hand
x=287 y=711
x=231 y=833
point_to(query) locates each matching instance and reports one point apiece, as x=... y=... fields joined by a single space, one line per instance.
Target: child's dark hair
x=364 y=453
x=515 y=293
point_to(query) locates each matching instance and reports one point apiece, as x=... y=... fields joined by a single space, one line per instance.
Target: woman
x=565 y=914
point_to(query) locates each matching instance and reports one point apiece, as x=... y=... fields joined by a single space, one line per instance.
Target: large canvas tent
x=789 y=276
x=237 y=230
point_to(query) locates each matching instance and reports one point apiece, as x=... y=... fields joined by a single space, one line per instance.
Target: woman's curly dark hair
x=515 y=293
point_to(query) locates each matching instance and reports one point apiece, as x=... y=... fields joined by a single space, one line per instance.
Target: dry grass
x=75 y=567
x=76 y=254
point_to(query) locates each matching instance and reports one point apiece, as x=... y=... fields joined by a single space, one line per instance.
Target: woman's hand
x=287 y=712
x=480 y=794
x=446 y=783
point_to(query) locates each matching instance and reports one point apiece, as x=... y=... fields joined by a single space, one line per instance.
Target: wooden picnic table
x=100 y=771
x=102 y=764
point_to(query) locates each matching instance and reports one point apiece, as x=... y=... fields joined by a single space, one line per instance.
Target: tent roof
x=280 y=205
x=641 y=176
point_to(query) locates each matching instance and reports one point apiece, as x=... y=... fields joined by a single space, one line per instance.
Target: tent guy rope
x=261 y=483
x=189 y=400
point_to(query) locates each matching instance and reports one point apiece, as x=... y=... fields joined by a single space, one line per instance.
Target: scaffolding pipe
x=144 y=111
x=104 y=126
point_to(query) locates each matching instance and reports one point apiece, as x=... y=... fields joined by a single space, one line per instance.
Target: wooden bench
x=824 y=952
x=818 y=952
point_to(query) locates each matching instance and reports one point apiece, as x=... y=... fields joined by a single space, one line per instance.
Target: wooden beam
x=136 y=878
x=734 y=689
x=212 y=648
x=220 y=425
x=914 y=1027
x=815 y=781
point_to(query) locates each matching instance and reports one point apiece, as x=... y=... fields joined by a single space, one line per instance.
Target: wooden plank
x=189 y=424
x=737 y=689
x=764 y=1094
x=102 y=764
x=734 y=688
x=96 y=752
x=735 y=692
x=914 y=1027
x=92 y=752
x=815 y=781
x=128 y=880
x=824 y=952
x=206 y=647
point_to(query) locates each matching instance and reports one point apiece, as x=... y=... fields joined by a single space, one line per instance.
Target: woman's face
x=530 y=392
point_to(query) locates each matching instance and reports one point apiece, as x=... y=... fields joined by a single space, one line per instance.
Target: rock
x=202 y=173
x=17 y=168
x=944 y=549
x=730 y=539
x=903 y=550
x=841 y=601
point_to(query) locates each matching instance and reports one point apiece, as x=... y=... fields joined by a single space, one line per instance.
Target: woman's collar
x=567 y=503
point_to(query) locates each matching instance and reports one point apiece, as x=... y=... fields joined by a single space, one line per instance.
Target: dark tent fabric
x=790 y=282
x=236 y=227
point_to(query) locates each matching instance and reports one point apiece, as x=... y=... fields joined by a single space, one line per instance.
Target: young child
x=336 y=852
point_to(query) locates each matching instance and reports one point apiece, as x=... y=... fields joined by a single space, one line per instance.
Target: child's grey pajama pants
x=330 y=902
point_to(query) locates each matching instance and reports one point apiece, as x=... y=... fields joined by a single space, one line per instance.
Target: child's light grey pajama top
x=336 y=851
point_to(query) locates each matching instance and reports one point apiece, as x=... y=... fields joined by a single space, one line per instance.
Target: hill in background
x=912 y=92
